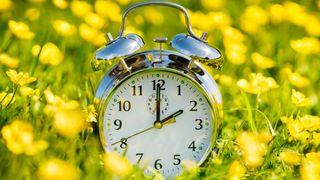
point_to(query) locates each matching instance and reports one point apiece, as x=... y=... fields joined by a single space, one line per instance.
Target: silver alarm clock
x=159 y=108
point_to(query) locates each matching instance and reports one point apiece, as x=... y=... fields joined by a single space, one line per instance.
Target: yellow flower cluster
x=61 y=4
x=253 y=147
x=303 y=128
x=234 y=43
x=257 y=84
x=288 y=12
x=8 y=61
x=54 y=168
x=116 y=164
x=69 y=120
x=20 y=139
x=299 y=99
x=218 y=20
x=20 y=30
x=29 y=92
x=310 y=167
x=20 y=78
x=290 y=157
x=236 y=171
x=5 y=99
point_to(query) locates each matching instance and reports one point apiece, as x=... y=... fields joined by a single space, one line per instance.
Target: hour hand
x=168 y=120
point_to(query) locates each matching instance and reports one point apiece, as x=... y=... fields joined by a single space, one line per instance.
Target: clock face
x=158 y=119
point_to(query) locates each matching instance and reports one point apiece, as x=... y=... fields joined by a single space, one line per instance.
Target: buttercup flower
x=212 y=4
x=5 y=99
x=94 y=20
x=8 y=61
x=276 y=13
x=91 y=113
x=20 y=78
x=91 y=35
x=28 y=92
x=262 y=61
x=5 y=5
x=20 y=30
x=33 y=14
x=310 y=167
x=299 y=99
x=19 y=138
x=108 y=9
x=80 y=8
x=236 y=171
x=51 y=54
x=55 y=168
x=310 y=123
x=298 y=80
x=253 y=18
x=61 y=4
x=116 y=164
x=253 y=147
x=257 y=84
x=306 y=45
x=290 y=157
x=64 y=28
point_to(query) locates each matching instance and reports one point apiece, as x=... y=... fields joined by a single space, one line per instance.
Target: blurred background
x=270 y=84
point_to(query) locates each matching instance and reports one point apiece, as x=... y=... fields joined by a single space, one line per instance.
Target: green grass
x=74 y=79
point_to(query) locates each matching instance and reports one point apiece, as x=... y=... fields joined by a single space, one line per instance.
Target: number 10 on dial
x=158 y=118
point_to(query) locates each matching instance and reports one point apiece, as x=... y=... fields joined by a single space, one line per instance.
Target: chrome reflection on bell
x=120 y=48
x=197 y=50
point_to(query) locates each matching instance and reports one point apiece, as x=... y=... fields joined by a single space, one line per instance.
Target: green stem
x=250 y=117
x=14 y=93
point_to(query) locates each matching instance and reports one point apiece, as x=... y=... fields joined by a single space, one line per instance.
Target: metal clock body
x=159 y=108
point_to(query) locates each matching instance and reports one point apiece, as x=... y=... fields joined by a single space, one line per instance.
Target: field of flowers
x=270 y=85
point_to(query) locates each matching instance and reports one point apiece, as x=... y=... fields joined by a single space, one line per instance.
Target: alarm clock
x=159 y=108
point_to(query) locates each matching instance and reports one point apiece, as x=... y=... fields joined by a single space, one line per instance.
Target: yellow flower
x=231 y=34
x=28 y=92
x=5 y=99
x=276 y=13
x=286 y=120
x=153 y=16
x=299 y=99
x=64 y=28
x=298 y=80
x=108 y=9
x=54 y=169
x=290 y=157
x=51 y=54
x=61 y=4
x=236 y=171
x=123 y=2
x=94 y=20
x=91 y=35
x=5 y=5
x=80 y=8
x=19 y=138
x=225 y=80
x=310 y=167
x=33 y=14
x=116 y=164
x=36 y=50
x=306 y=45
x=253 y=148
x=189 y=165
x=312 y=25
x=91 y=113
x=310 y=123
x=213 y=4
x=69 y=122
x=8 y=61
x=55 y=103
x=220 y=20
x=21 y=78
x=262 y=61
x=253 y=18
x=20 y=29
x=291 y=11
x=257 y=84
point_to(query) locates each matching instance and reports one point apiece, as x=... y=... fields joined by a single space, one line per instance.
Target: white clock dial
x=183 y=130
